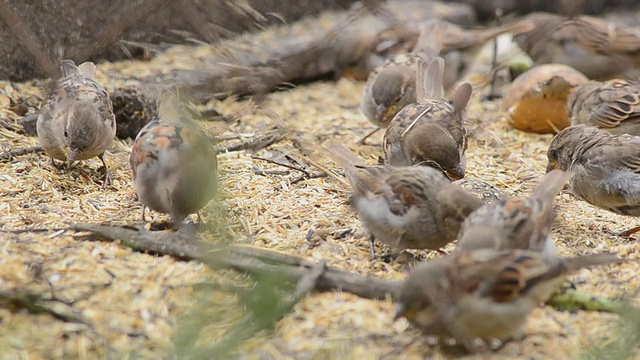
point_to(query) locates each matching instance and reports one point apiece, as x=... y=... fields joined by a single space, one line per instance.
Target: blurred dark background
x=37 y=34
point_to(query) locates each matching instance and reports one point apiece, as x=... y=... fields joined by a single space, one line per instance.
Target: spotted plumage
x=173 y=163
x=606 y=166
x=76 y=121
x=431 y=131
x=484 y=294
x=513 y=223
x=414 y=207
x=391 y=86
x=613 y=105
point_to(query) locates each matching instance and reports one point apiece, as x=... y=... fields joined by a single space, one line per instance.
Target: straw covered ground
x=136 y=305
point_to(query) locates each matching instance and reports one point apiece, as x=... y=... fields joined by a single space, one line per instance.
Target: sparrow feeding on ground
x=598 y=49
x=391 y=86
x=606 y=167
x=515 y=223
x=484 y=294
x=173 y=162
x=613 y=105
x=76 y=121
x=408 y=207
x=431 y=131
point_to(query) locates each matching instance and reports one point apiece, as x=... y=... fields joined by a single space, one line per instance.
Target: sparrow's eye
x=66 y=134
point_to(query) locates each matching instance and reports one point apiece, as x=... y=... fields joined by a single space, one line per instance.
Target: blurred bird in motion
x=484 y=294
x=173 y=162
x=597 y=48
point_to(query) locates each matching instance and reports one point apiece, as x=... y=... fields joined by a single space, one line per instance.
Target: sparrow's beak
x=405 y=310
x=401 y=310
x=387 y=113
x=551 y=165
x=458 y=172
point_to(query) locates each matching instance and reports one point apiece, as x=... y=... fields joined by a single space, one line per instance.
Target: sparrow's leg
x=143 y=209
x=466 y=339
x=53 y=162
x=107 y=178
x=372 y=247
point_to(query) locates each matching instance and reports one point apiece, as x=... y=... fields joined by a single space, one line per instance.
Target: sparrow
x=76 y=121
x=173 y=162
x=391 y=85
x=613 y=105
x=598 y=49
x=606 y=167
x=405 y=207
x=458 y=47
x=484 y=294
x=514 y=223
x=431 y=131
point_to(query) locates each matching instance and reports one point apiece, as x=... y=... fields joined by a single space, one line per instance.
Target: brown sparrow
x=459 y=47
x=484 y=294
x=515 y=223
x=173 y=162
x=391 y=86
x=407 y=207
x=76 y=121
x=430 y=132
x=606 y=167
x=613 y=105
x=596 y=48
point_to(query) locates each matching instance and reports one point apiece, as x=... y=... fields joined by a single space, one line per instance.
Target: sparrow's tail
x=518 y=27
x=551 y=185
x=429 y=79
x=429 y=42
x=583 y=261
x=342 y=156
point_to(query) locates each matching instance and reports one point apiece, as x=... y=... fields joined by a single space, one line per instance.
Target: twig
x=288 y=166
x=329 y=173
x=32 y=230
x=258 y=143
x=493 y=93
x=307 y=177
x=256 y=170
x=251 y=260
x=8 y=155
x=32 y=303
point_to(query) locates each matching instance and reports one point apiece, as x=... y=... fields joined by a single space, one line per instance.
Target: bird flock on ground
x=504 y=264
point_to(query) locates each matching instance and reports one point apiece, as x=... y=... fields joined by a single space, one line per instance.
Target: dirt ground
x=136 y=305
